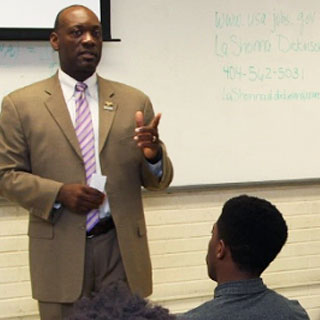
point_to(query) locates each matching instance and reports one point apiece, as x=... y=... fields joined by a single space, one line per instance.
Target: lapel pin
x=108 y=105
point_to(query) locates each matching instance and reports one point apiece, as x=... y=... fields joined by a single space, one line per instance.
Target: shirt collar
x=68 y=85
x=250 y=286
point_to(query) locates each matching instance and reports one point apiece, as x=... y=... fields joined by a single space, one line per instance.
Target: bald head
x=57 y=21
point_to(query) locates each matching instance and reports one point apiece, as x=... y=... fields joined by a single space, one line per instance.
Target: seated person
x=116 y=302
x=248 y=235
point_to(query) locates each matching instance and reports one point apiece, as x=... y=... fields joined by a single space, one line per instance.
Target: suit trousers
x=103 y=265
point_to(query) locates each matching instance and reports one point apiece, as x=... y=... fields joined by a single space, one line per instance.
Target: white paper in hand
x=98 y=182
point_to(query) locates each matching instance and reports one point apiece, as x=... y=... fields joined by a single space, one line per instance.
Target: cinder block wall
x=179 y=227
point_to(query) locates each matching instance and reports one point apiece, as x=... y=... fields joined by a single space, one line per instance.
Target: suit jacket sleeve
x=17 y=183
x=150 y=181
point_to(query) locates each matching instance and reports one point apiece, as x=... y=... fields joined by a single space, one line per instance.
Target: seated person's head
x=115 y=302
x=248 y=235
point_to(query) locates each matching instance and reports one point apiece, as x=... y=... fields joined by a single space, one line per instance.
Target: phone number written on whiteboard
x=253 y=73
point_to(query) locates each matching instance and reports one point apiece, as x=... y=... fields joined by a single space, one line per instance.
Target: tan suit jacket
x=39 y=152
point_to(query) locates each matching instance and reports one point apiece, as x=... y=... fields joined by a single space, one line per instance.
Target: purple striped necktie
x=85 y=134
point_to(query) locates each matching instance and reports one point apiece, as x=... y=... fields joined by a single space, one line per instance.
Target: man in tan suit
x=42 y=169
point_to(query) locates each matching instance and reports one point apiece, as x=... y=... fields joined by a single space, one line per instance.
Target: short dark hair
x=254 y=230
x=116 y=302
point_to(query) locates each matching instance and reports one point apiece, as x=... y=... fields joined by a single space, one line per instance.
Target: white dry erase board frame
x=34 y=19
x=237 y=83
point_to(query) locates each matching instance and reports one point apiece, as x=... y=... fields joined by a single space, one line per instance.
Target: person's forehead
x=78 y=16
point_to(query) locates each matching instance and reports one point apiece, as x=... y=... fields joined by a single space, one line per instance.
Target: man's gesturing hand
x=147 y=137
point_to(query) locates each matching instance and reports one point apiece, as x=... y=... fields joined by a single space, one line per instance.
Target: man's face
x=211 y=258
x=78 y=41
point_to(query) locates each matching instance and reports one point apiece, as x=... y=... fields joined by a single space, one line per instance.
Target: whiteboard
x=237 y=82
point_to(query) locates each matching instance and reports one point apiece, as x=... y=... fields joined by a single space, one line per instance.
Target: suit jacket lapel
x=56 y=105
x=107 y=110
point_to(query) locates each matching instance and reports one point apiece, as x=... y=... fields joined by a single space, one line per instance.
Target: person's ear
x=54 y=41
x=221 y=249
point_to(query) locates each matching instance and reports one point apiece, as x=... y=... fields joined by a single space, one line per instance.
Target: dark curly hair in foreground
x=115 y=302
